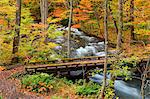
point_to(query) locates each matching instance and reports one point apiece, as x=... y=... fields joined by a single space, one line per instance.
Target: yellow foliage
x=52 y=45
x=59 y=1
x=148 y=47
x=50 y=20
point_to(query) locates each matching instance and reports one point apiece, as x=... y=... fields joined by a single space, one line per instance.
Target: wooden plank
x=68 y=60
x=64 y=64
x=70 y=68
x=75 y=64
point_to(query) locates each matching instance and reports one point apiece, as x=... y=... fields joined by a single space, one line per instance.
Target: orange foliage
x=39 y=26
x=85 y=4
x=26 y=1
x=76 y=26
x=81 y=17
x=2 y=68
x=77 y=10
x=82 y=12
x=2 y=21
x=58 y=12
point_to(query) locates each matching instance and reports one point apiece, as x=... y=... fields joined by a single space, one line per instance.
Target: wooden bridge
x=66 y=65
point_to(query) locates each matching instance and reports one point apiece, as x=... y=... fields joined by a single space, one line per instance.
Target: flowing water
x=124 y=89
x=91 y=46
x=86 y=45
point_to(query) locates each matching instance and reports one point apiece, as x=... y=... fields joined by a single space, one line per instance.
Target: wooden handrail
x=63 y=64
x=63 y=60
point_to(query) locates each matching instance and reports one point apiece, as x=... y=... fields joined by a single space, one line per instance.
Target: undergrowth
x=89 y=88
x=44 y=83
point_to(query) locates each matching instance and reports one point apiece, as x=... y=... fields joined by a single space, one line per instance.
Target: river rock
x=100 y=54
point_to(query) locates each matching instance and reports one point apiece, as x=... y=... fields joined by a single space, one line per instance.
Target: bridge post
x=35 y=70
x=46 y=68
x=68 y=70
x=57 y=72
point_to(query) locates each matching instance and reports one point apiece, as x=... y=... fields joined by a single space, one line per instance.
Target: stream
x=83 y=45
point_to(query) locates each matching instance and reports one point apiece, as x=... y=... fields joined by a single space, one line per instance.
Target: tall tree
x=120 y=3
x=144 y=77
x=98 y=12
x=113 y=18
x=44 y=11
x=106 y=48
x=69 y=26
x=132 y=19
x=17 y=34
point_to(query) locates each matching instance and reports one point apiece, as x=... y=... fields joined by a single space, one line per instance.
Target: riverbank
x=11 y=87
x=61 y=88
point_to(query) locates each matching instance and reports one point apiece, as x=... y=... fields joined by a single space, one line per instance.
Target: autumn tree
x=7 y=23
x=113 y=18
x=98 y=12
x=17 y=34
x=44 y=11
x=144 y=77
x=106 y=49
x=132 y=19
x=120 y=3
x=82 y=12
x=69 y=26
x=141 y=20
x=34 y=6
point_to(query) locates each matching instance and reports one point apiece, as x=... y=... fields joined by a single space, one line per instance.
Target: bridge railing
x=66 y=60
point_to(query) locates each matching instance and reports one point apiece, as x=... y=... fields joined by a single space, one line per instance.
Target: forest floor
x=10 y=87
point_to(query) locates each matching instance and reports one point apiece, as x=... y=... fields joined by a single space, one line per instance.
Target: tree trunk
x=119 y=43
x=132 y=19
x=115 y=22
x=17 y=34
x=67 y=4
x=44 y=11
x=69 y=26
x=143 y=77
x=106 y=49
x=98 y=23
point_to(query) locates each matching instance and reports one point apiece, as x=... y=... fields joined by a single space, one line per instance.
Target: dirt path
x=9 y=87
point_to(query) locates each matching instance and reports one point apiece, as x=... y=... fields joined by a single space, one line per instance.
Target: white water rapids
x=93 y=47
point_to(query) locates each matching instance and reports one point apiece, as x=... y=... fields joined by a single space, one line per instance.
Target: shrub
x=66 y=81
x=122 y=67
x=39 y=83
x=43 y=83
x=89 y=88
